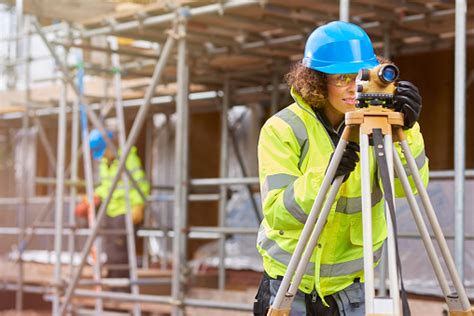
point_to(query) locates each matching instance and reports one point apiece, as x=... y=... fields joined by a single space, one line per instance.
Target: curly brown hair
x=311 y=84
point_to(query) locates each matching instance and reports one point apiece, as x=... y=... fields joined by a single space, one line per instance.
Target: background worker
x=115 y=246
x=294 y=150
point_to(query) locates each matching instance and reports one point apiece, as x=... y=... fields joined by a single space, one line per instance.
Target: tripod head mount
x=365 y=120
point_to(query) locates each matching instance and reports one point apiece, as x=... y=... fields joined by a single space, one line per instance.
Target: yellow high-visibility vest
x=117 y=205
x=293 y=152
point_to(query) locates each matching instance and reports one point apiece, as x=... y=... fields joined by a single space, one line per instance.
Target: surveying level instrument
x=378 y=125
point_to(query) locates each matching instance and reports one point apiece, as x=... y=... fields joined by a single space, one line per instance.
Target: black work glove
x=407 y=100
x=348 y=161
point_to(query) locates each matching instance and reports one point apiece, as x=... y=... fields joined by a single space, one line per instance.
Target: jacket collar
x=319 y=115
x=300 y=101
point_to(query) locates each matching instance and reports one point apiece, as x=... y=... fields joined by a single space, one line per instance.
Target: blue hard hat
x=339 y=48
x=97 y=143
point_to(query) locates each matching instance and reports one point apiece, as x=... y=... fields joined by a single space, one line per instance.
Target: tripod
x=381 y=124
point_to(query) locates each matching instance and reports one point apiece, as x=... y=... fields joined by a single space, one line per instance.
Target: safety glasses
x=341 y=80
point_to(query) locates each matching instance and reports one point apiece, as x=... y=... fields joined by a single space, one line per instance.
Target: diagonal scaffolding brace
x=137 y=124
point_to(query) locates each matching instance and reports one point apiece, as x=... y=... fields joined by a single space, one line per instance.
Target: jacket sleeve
x=287 y=193
x=415 y=142
x=135 y=166
x=105 y=182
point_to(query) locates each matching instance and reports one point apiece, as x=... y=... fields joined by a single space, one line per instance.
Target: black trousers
x=115 y=247
x=313 y=305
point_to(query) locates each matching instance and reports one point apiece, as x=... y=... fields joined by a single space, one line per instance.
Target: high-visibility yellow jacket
x=293 y=152
x=117 y=205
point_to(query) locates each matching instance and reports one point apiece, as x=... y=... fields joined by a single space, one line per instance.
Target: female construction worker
x=294 y=150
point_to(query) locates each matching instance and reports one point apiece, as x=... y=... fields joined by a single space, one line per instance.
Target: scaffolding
x=259 y=39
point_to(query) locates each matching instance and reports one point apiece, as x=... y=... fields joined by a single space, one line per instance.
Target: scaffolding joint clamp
x=177 y=302
x=176 y=34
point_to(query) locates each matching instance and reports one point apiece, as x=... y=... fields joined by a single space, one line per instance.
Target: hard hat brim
x=340 y=68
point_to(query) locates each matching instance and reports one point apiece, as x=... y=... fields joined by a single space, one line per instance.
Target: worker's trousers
x=348 y=302
x=115 y=246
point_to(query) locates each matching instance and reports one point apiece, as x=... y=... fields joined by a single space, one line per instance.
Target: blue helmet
x=97 y=143
x=339 y=48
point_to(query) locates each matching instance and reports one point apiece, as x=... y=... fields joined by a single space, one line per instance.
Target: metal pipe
x=181 y=172
x=391 y=241
x=219 y=181
x=422 y=229
x=459 y=133
x=431 y=214
x=71 y=183
x=25 y=126
x=132 y=260
x=59 y=207
x=148 y=167
x=167 y=18
x=91 y=217
x=51 y=231
x=223 y=172
x=140 y=118
x=448 y=174
x=191 y=197
x=125 y=282
x=45 y=142
x=199 y=232
x=160 y=299
x=344 y=10
x=26 y=289
x=367 y=223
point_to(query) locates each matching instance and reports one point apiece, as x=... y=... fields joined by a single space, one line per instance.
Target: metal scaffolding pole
x=157 y=299
x=344 y=10
x=74 y=179
x=91 y=215
x=139 y=120
x=181 y=172
x=459 y=133
x=168 y=18
x=223 y=173
x=25 y=126
x=59 y=207
x=44 y=141
x=148 y=167
x=132 y=260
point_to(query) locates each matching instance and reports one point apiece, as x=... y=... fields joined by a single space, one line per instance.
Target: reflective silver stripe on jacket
x=353 y=205
x=299 y=130
x=420 y=161
x=276 y=181
x=280 y=255
x=348 y=267
x=292 y=206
